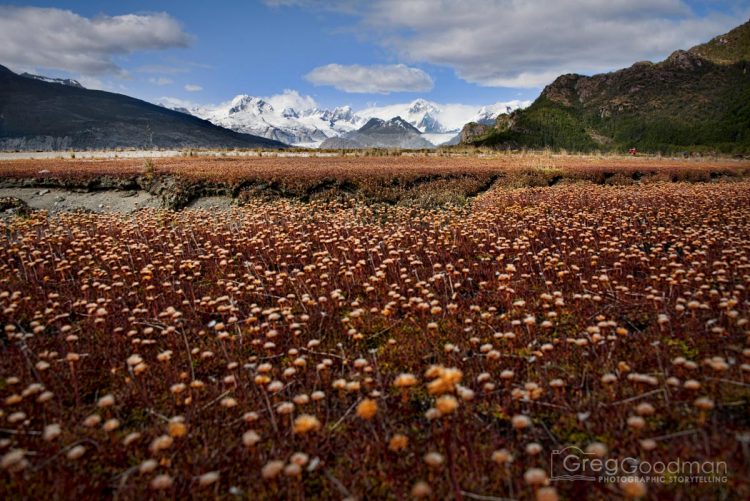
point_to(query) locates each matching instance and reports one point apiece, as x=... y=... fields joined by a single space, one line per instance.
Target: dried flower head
x=306 y=423
x=367 y=409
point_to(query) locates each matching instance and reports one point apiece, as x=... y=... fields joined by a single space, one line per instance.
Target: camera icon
x=571 y=463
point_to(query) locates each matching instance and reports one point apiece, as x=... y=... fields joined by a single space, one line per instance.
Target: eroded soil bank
x=61 y=200
x=126 y=194
x=126 y=185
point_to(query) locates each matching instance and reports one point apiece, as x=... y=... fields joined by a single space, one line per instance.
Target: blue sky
x=349 y=51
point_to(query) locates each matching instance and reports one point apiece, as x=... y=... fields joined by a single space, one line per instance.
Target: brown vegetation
x=272 y=166
x=411 y=179
x=337 y=348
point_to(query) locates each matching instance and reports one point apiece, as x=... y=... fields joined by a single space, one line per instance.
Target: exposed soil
x=60 y=200
x=125 y=185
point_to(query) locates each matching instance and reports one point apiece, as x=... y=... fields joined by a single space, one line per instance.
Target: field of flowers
x=311 y=170
x=343 y=349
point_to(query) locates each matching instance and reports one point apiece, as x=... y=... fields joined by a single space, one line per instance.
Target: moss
x=681 y=347
x=501 y=415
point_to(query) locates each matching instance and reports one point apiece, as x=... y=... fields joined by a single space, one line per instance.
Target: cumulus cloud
x=511 y=43
x=381 y=79
x=61 y=39
x=193 y=88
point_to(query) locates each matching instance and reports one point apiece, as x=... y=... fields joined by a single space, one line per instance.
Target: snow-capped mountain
x=287 y=117
x=441 y=122
x=297 y=120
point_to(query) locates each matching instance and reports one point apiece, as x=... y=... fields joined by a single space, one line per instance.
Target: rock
x=472 y=131
x=13 y=205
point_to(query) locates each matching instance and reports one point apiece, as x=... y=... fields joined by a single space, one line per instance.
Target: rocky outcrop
x=474 y=131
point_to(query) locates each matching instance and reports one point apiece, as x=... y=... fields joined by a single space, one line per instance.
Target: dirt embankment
x=60 y=200
x=113 y=193
x=126 y=185
x=106 y=194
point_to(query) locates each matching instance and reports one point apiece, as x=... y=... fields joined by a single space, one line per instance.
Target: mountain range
x=299 y=121
x=695 y=100
x=37 y=113
x=42 y=113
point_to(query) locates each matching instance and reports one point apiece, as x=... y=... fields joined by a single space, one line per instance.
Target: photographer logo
x=574 y=464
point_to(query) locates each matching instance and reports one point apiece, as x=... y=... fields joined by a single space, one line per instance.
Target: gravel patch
x=58 y=200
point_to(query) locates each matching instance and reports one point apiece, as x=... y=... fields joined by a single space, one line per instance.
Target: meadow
x=379 y=328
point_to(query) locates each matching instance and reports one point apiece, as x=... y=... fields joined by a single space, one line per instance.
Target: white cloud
x=160 y=80
x=193 y=88
x=380 y=79
x=63 y=40
x=512 y=43
x=291 y=99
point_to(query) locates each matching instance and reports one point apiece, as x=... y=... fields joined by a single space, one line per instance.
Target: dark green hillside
x=39 y=115
x=696 y=100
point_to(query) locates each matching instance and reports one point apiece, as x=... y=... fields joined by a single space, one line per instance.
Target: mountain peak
x=378 y=133
x=421 y=105
x=372 y=123
x=254 y=105
x=394 y=123
x=344 y=113
x=290 y=113
x=397 y=121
